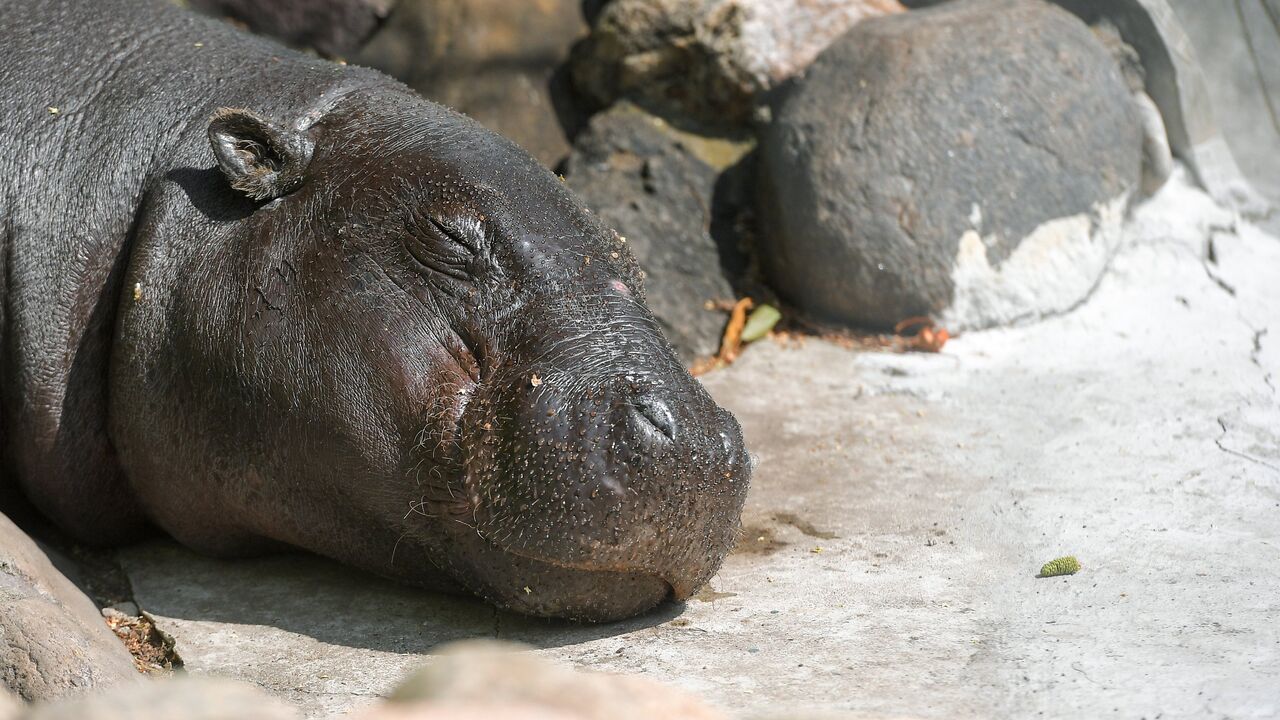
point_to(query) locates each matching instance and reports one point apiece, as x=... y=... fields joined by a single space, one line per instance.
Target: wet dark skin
x=260 y=301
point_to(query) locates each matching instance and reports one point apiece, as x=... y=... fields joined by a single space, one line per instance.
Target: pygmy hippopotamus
x=259 y=301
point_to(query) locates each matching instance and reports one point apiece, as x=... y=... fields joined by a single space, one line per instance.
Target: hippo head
x=409 y=348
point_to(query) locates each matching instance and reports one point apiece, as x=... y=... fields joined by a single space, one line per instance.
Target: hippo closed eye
x=262 y=301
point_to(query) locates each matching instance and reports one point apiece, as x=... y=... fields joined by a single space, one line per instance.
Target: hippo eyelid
x=449 y=231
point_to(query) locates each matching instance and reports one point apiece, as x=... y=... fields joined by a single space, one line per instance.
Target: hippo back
x=101 y=102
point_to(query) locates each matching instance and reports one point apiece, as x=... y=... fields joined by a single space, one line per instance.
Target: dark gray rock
x=333 y=28
x=661 y=189
x=1210 y=69
x=916 y=168
x=53 y=641
x=495 y=60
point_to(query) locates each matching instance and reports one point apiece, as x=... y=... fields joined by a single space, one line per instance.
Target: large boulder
x=970 y=162
x=53 y=640
x=661 y=189
x=707 y=60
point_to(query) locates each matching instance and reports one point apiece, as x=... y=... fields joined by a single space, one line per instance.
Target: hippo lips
x=585 y=592
x=679 y=590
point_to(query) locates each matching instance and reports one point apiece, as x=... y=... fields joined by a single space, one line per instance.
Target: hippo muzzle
x=600 y=477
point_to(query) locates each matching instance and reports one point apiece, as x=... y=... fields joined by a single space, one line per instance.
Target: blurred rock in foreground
x=178 y=698
x=475 y=674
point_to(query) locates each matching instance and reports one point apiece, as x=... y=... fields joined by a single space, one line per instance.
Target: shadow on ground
x=341 y=606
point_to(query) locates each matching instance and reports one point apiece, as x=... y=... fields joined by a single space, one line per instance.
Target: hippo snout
x=602 y=496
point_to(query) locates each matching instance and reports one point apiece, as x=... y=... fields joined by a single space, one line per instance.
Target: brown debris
x=794 y=329
x=731 y=343
x=152 y=649
x=929 y=338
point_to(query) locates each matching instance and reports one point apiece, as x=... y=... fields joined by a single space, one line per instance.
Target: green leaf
x=760 y=322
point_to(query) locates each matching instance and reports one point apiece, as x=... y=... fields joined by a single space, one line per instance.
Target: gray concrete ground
x=900 y=510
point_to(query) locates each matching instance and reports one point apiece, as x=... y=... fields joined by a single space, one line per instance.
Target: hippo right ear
x=259 y=158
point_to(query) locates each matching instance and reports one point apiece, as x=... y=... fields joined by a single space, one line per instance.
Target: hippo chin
x=262 y=301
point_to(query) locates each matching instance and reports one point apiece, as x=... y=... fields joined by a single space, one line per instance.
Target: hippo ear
x=259 y=158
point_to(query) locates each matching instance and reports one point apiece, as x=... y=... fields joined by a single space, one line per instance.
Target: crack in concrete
x=1253 y=357
x=1211 y=258
x=1231 y=451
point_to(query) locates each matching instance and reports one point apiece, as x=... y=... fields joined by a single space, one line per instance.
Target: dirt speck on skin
x=152 y=649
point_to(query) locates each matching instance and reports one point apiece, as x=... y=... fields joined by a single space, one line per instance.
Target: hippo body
x=258 y=300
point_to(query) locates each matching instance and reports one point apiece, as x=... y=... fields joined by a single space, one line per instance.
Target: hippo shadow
x=209 y=193
x=338 y=605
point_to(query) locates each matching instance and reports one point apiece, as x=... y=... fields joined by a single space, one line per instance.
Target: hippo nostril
x=655 y=413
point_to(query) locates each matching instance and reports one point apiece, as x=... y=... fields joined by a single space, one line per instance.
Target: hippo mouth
x=587 y=593
x=677 y=589
x=525 y=583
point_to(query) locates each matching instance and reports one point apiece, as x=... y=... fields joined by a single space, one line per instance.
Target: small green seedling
x=760 y=323
x=1068 y=565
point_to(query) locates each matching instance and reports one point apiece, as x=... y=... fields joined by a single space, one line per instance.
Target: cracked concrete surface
x=901 y=508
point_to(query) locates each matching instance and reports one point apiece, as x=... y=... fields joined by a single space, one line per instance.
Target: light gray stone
x=53 y=640
x=1175 y=81
x=178 y=698
x=1157 y=158
x=708 y=60
x=900 y=509
x=1238 y=48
